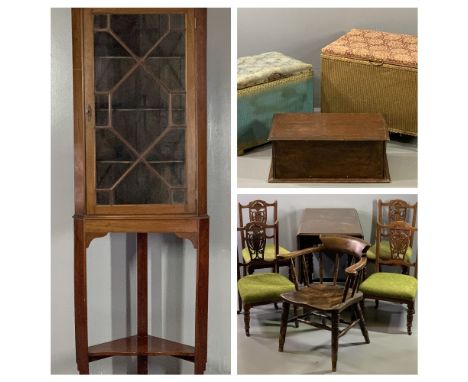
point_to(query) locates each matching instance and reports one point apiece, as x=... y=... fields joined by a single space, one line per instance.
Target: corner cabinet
x=139 y=80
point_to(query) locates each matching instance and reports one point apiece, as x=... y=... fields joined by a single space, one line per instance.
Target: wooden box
x=328 y=147
x=269 y=83
x=139 y=81
x=368 y=71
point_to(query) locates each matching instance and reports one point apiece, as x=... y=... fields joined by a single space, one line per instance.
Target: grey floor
x=307 y=350
x=253 y=168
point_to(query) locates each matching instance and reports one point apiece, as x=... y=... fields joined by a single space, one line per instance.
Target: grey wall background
x=302 y=33
x=290 y=209
x=111 y=260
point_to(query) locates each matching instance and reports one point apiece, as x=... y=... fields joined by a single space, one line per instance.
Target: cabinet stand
x=142 y=345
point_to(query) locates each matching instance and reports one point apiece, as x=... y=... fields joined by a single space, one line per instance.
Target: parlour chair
x=267 y=213
x=387 y=213
x=395 y=287
x=262 y=287
x=325 y=302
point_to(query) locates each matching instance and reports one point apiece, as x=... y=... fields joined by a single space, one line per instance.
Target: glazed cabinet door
x=140 y=110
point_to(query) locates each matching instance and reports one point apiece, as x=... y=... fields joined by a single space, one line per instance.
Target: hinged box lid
x=328 y=127
x=267 y=67
x=377 y=47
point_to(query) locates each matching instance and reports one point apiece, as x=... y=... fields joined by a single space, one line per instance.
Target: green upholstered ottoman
x=269 y=83
x=368 y=71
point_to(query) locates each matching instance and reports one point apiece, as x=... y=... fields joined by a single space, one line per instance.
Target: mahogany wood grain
x=328 y=127
x=192 y=132
x=130 y=11
x=328 y=147
x=201 y=117
x=195 y=147
x=136 y=225
x=328 y=300
x=201 y=299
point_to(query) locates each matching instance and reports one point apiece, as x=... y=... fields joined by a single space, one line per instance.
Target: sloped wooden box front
x=328 y=147
x=372 y=72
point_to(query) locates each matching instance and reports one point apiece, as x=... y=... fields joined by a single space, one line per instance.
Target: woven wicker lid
x=382 y=47
x=267 y=67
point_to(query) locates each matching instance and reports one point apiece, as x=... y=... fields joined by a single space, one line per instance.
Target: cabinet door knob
x=89 y=113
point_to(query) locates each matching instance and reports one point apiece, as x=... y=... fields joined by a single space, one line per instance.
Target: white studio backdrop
x=111 y=259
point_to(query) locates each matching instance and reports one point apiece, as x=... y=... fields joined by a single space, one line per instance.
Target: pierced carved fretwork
x=90 y=236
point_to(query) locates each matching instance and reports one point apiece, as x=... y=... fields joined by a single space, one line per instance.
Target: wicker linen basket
x=269 y=83
x=368 y=71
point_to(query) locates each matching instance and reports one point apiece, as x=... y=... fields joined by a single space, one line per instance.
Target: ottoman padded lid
x=265 y=67
x=382 y=47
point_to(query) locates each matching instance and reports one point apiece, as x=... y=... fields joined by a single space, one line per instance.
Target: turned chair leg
x=284 y=325
x=335 y=333
x=247 y=320
x=376 y=304
x=276 y=305
x=362 y=323
x=240 y=303
x=409 y=317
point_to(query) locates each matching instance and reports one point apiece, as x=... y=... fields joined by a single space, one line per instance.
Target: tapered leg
x=409 y=317
x=376 y=304
x=81 y=313
x=362 y=323
x=247 y=320
x=284 y=325
x=201 y=308
x=334 y=332
x=296 y=322
x=276 y=305
x=142 y=297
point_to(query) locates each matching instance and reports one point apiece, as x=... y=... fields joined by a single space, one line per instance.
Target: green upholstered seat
x=384 y=252
x=390 y=285
x=269 y=253
x=263 y=287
